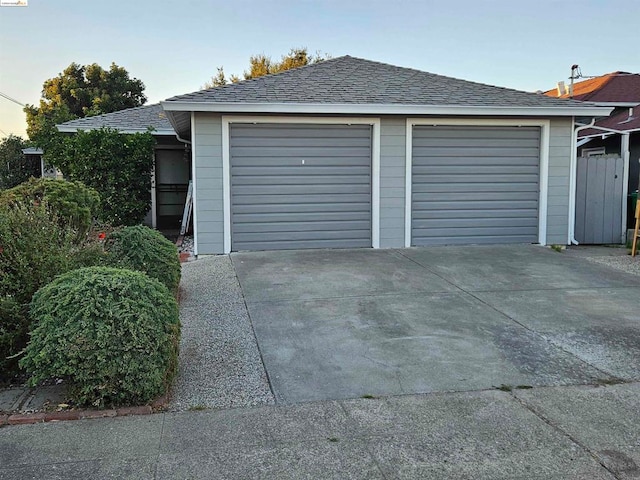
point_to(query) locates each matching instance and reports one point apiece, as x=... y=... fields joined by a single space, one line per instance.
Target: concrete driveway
x=336 y=324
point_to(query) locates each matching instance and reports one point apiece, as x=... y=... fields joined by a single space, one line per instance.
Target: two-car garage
x=296 y=186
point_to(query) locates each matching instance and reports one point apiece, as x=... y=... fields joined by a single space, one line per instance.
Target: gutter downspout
x=180 y=139
x=572 y=181
x=626 y=162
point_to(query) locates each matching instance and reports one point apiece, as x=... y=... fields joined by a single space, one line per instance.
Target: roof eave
x=157 y=132
x=384 y=109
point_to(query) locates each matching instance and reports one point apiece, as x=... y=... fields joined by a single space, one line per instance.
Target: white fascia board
x=385 y=109
x=158 y=132
x=616 y=104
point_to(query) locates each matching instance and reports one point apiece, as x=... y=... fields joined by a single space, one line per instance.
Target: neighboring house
x=620 y=132
x=354 y=153
x=172 y=158
x=33 y=154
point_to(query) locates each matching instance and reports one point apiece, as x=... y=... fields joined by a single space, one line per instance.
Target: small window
x=590 y=152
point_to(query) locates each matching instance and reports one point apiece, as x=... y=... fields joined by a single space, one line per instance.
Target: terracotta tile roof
x=623 y=121
x=612 y=87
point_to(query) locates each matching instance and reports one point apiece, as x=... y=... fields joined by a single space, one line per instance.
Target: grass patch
x=504 y=388
x=197 y=408
x=524 y=387
x=557 y=248
x=368 y=396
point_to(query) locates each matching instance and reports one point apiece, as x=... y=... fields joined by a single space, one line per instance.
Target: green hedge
x=146 y=250
x=112 y=333
x=73 y=202
x=35 y=247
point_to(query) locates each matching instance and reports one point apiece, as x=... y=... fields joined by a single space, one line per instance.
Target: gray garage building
x=354 y=153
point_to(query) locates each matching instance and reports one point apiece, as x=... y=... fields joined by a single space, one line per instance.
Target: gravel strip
x=626 y=263
x=220 y=365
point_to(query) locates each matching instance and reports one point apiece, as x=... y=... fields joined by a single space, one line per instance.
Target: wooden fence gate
x=599 y=199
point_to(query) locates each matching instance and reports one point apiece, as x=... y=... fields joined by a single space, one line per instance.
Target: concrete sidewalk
x=547 y=433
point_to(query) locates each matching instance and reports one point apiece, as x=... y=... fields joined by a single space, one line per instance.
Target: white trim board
x=193 y=179
x=383 y=109
x=375 y=162
x=545 y=127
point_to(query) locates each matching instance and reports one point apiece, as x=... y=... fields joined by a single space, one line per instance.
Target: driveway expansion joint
x=535 y=411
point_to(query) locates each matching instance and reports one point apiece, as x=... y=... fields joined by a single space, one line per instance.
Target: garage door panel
x=302 y=142
x=308 y=169
x=295 y=227
x=311 y=235
x=478 y=152
x=475 y=185
x=434 y=224
x=330 y=206
x=286 y=180
x=298 y=152
x=345 y=199
x=478 y=232
x=466 y=133
x=294 y=130
x=300 y=186
x=289 y=244
x=491 y=143
x=478 y=178
x=483 y=169
x=311 y=189
x=511 y=213
x=475 y=189
x=458 y=199
x=474 y=239
x=506 y=161
x=243 y=218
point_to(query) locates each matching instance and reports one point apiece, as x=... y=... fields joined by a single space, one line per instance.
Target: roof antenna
x=575 y=74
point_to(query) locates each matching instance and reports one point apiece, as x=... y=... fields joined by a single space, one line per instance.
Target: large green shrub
x=35 y=247
x=144 y=249
x=112 y=333
x=117 y=165
x=73 y=202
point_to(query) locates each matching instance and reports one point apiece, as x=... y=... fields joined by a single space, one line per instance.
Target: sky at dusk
x=175 y=46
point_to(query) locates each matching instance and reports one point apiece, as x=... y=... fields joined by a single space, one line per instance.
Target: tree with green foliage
x=15 y=168
x=261 y=64
x=81 y=91
x=118 y=166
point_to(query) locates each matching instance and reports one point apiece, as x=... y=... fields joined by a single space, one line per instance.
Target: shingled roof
x=131 y=120
x=610 y=88
x=349 y=80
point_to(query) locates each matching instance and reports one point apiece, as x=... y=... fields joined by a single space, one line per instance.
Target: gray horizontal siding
x=559 y=168
x=392 y=181
x=207 y=153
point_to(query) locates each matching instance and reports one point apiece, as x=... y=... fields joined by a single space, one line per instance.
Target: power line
x=11 y=99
